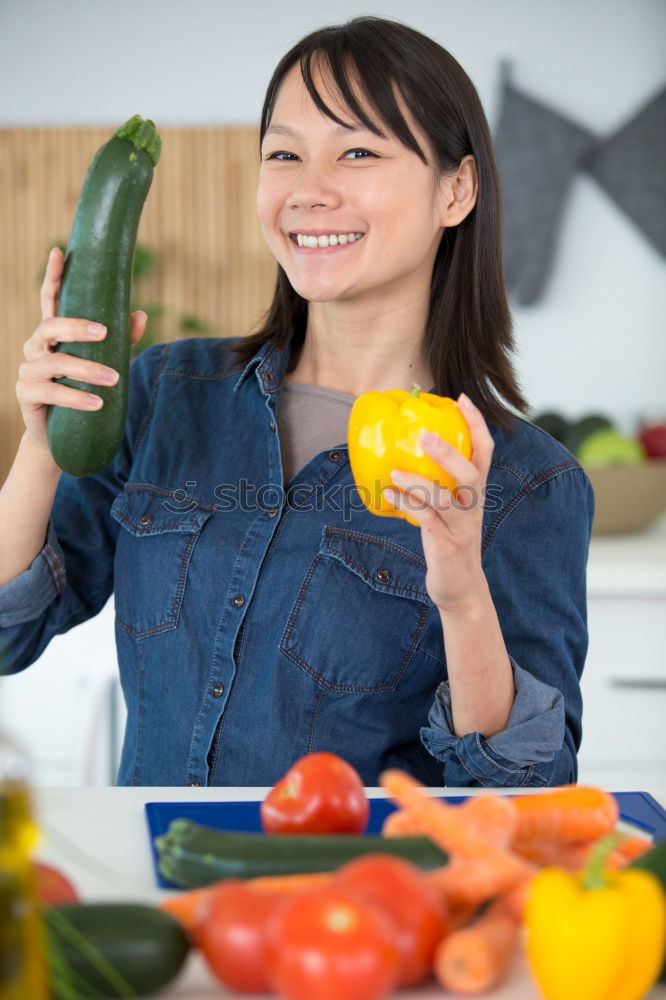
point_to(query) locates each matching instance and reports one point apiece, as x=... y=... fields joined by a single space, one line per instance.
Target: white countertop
x=99 y=838
x=628 y=565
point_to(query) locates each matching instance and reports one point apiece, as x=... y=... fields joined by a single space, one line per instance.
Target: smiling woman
x=263 y=612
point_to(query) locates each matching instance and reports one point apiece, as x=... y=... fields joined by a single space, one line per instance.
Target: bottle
x=22 y=957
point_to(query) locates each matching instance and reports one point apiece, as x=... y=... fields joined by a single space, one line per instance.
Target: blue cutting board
x=638 y=808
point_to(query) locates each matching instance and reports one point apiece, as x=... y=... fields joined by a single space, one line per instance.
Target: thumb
x=138 y=325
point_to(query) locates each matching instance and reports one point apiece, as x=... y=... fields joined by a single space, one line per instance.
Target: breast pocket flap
x=144 y=514
x=384 y=565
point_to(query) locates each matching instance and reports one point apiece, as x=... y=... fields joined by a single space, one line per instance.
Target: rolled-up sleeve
x=30 y=593
x=535 y=563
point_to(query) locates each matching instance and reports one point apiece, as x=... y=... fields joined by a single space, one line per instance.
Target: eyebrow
x=294 y=133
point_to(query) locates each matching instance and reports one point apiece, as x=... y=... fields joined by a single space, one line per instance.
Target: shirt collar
x=270 y=363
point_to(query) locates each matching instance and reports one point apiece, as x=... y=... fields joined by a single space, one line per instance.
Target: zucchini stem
x=143 y=134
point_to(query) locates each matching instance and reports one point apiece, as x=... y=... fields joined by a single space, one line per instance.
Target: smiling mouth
x=325 y=240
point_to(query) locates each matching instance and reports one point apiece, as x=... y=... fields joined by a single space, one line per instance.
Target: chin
x=318 y=292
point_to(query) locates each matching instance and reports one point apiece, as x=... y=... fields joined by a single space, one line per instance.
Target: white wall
x=595 y=341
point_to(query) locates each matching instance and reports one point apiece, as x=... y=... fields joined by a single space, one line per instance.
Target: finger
x=448 y=457
x=416 y=493
x=50 y=291
x=424 y=514
x=61 y=329
x=138 y=323
x=59 y=364
x=483 y=443
x=445 y=502
x=32 y=395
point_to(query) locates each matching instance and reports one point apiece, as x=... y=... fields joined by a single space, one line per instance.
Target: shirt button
x=195 y=784
x=384 y=575
x=269 y=377
x=238 y=601
x=272 y=425
x=334 y=456
x=272 y=511
x=145 y=520
x=218 y=690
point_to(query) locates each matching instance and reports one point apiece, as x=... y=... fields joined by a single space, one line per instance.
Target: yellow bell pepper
x=595 y=934
x=383 y=434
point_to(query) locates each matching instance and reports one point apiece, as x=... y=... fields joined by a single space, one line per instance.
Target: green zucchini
x=96 y=285
x=192 y=855
x=654 y=861
x=108 y=950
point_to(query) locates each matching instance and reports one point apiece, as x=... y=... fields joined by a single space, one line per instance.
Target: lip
x=322 y=232
x=338 y=248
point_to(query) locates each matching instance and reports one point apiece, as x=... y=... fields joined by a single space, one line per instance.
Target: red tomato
x=231 y=934
x=52 y=886
x=331 y=943
x=320 y=793
x=418 y=911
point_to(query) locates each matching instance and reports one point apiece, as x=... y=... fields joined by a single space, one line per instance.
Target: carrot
x=569 y=813
x=494 y=816
x=544 y=852
x=466 y=882
x=491 y=815
x=473 y=959
x=287 y=884
x=186 y=907
x=447 y=826
x=573 y=855
x=401 y=823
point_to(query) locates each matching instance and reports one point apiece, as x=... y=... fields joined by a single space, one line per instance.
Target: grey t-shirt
x=310 y=419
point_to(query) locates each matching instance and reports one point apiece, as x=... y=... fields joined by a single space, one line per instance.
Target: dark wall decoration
x=539 y=151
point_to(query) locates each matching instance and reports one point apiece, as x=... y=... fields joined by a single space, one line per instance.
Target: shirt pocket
x=360 y=613
x=153 y=553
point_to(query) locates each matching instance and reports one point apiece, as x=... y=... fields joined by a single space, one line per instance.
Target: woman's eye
x=354 y=154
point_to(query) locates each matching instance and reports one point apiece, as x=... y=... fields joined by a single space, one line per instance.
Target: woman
x=261 y=611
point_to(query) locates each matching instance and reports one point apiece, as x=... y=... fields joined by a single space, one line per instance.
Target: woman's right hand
x=36 y=389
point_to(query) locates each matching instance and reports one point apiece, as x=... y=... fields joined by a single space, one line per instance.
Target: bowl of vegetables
x=627 y=472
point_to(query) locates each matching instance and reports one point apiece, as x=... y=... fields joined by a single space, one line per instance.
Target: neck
x=385 y=351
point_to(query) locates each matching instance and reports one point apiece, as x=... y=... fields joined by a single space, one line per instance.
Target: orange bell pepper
x=383 y=434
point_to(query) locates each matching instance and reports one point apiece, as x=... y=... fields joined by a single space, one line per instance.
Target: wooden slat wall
x=199 y=219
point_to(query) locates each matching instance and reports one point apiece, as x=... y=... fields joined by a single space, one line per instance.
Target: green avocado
x=553 y=423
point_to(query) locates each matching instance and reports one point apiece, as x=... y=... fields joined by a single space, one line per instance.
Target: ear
x=458 y=193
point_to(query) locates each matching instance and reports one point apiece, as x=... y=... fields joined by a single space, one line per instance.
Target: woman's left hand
x=451 y=523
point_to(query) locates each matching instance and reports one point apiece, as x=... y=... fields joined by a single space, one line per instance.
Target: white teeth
x=332 y=240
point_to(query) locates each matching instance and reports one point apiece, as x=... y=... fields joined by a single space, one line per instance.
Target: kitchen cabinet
x=68 y=713
x=624 y=681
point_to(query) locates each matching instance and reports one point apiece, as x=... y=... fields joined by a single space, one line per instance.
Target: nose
x=313 y=188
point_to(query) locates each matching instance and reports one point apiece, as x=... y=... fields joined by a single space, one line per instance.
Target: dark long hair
x=469 y=334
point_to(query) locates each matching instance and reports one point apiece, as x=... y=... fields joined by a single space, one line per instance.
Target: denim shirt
x=257 y=621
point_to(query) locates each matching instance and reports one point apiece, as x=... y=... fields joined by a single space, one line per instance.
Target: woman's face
x=377 y=199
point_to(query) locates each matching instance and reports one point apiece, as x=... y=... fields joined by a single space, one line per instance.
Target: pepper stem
x=415 y=390
x=594 y=874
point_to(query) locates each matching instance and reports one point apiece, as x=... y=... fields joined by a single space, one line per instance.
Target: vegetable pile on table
x=476 y=883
